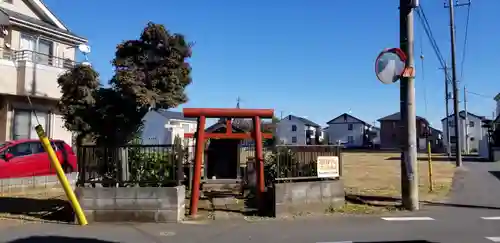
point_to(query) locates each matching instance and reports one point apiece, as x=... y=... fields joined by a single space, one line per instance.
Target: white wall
x=338 y=130
x=153 y=131
x=285 y=134
x=160 y=130
x=57 y=130
x=476 y=133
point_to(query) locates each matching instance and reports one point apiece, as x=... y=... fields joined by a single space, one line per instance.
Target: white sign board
x=328 y=166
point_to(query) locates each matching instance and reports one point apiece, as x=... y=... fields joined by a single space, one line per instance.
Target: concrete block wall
x=136 y=204
x=18 y=185
x=308 y=197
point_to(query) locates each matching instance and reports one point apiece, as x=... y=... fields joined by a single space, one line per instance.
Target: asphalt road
x=472 y=215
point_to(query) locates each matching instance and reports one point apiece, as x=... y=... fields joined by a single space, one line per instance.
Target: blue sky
x=308 y=58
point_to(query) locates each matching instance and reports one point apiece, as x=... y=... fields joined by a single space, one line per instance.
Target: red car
x=25 y=158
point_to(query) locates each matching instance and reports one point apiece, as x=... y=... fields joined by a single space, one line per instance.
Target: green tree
x=150 y=73
x=79 y=87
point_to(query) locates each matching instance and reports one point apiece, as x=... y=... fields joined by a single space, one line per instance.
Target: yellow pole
x=62 y=177
x=429 y=161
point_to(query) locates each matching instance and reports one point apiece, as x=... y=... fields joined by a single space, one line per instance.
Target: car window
x=37 y=147
x=21 y=149
x=60 y=146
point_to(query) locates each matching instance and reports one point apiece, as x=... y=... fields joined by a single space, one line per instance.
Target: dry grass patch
x=375 y=174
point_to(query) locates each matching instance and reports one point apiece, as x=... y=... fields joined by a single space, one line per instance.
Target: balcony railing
x=36 y=57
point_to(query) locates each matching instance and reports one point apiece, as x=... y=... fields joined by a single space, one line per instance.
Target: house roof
x=497 y=119
x=51 y=22
x=462 y=115
x=397 y=116
x=306 y=122
x=222 y=125
x=345 y=114
x=176 y=115
x=497 y=97
x=437 y=131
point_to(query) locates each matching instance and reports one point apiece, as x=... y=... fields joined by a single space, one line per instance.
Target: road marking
x=167 y=233
x=494 y=238
x=407 y=218
x=491 y=218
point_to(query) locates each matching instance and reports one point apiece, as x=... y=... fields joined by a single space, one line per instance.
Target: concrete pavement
x=336 y=229
x=472 y=215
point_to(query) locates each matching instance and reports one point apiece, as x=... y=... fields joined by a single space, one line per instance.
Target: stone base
x=308 y=197
x=136 y=204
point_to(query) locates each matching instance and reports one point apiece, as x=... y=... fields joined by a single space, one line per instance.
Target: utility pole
x=409 y=172
x=458 y=152
x=466 y=125
x=446 y=99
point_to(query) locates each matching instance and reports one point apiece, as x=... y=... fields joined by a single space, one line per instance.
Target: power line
x=465 y=43
x=481 y=95
x=428 y=31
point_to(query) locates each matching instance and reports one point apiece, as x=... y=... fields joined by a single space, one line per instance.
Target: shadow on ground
x=446 y=159
x=58 y=239
x=377 y=201
x=496 y=174
x=45 y=209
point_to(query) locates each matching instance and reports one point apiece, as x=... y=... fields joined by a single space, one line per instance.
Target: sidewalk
x=477 y=185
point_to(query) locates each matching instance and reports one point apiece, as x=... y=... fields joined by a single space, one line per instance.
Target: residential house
x=475 y=131
x=294 y=130
x=436 y=139
x=350 y=131
x=162 y=126
x=35 y=48
x=390 y=131
x=496 y=118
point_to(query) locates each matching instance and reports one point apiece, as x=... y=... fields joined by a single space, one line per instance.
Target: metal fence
x=36 y=57
x=133 y=165
x=168 y=165
x=290 y=162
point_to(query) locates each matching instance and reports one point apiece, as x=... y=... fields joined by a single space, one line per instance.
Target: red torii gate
x=202 y=114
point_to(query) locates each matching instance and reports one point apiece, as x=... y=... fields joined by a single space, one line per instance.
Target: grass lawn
x=378 y=175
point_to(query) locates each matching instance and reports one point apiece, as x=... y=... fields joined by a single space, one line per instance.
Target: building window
x=294 y=128
x=185 y=127
x=350 y=139
x=44 y=51
x=453 y=139
x=471 y=124
x=24 y=124
x=349 y=127
x=294 y=139
x=450 y=124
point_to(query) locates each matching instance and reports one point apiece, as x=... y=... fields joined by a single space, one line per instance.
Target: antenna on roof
x=238 y=100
